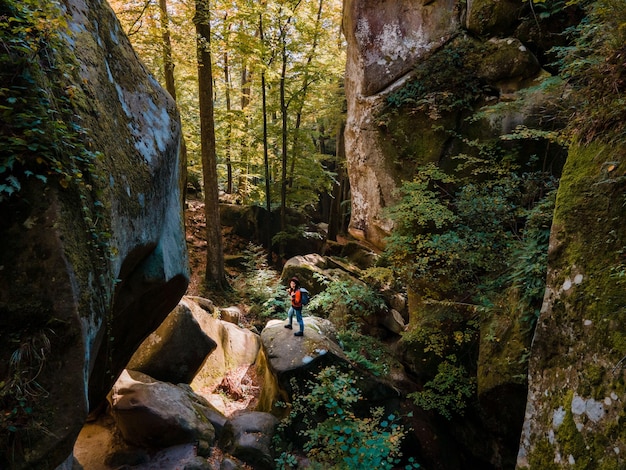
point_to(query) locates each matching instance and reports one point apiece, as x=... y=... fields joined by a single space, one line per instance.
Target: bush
x=447 y=393
x=259 y=284
x=593 y=65
x=358 y=299
x=461 y=239
x=335 y=436
x=365 y=351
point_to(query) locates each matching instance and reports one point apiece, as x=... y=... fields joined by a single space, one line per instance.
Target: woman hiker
x=296 y=305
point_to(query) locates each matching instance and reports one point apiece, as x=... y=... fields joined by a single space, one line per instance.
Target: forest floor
x=195 y=227
x=233 y=245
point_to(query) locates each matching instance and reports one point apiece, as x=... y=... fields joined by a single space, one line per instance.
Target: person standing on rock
x=296 y=305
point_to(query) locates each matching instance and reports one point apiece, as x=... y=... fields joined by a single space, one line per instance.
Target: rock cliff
x=93 y=249
x=447 y=60
x=387 y=45
x=575 y=410
x=385 y=40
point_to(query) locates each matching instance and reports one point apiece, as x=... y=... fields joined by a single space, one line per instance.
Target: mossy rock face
x=409 y=140
x=507 y=59
x=504 y=342
x=92 y=262
x=493 y=17
x=576 y=381
x=427 y=118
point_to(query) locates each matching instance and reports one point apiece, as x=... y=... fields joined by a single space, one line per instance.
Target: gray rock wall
x=574 y=415
x=385 y=40
x=91 y=267
x=576 y=398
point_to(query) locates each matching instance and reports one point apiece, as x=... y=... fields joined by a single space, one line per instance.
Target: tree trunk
x=229 y=130
x=337 y=215
x=243 y=145
x=283 y=113
x=215 y=277
x=170 y=86
x=266 y=160
x=304 y=89
x=168 y=63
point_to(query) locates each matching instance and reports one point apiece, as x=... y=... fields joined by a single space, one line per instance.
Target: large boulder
x=493 y=17
x=307 y=268
x=94 y=260
x=314 y=270
x=237 y=367
x=236 y=347
x=300 y=357
x=386 y=39
x=176 y=350
x=248 y=436
x=156 y=415
x=100 y=446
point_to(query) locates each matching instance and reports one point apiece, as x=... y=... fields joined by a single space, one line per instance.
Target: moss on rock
x=577 y=345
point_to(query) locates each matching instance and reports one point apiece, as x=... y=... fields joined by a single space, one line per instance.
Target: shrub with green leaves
x=259 y=283
x=335 y=436
x=464 y=231
x=357 y=298
x=449 y=391
x=592 y=65
x=462 y=238
x=365 y=350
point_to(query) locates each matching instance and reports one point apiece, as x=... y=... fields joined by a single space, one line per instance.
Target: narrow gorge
x=473 y=309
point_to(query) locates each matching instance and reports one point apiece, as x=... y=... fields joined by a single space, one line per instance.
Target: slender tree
x=266 y=162
x=170 y=86
x=306 y=81
x=229 y=118
x=215 y=277
x=168 y=63
x=284 y=117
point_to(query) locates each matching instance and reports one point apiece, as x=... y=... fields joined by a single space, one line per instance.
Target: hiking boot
x=289 y=326
x=298 y=333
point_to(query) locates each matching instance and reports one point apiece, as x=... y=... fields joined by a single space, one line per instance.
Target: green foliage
x=465 y=228
x=592 y=65
x=357 y=298
x=381 y=277
x=446 y=338
x=365 y=351
x=40 y=136
x=468 y=234
x=335 y=436
x=618 y=271
x=544 y=9
x=446 y=81
x=315 y=59
x=529 y=258
x=448 y=391
x=446 y=329
x=258 y=283
x=286 y=461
